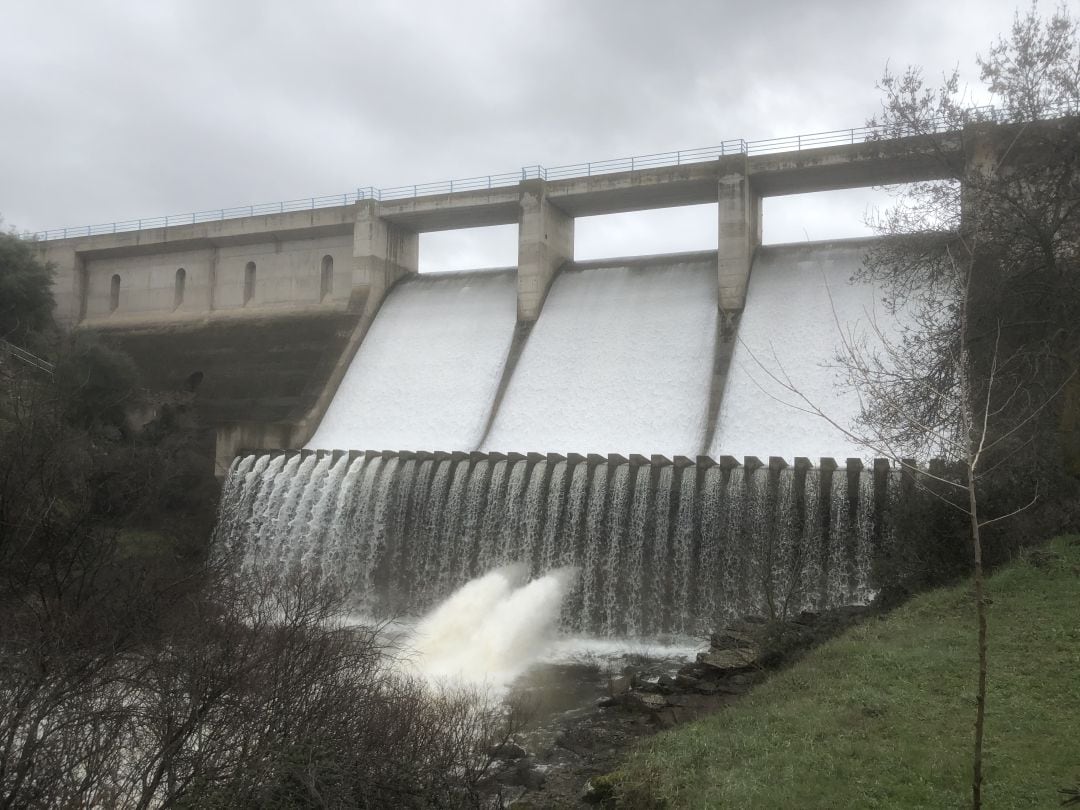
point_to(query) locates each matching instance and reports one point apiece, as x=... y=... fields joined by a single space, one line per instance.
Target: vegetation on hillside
x=137 y=668
x=26 y=298
x=880 y=717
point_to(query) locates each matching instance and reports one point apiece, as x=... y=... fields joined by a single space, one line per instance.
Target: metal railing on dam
x=737 y=146
x=23 y=356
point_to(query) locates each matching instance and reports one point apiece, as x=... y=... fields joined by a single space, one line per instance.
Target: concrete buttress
x=738 y=231
x=545 y=243
x=383 y=253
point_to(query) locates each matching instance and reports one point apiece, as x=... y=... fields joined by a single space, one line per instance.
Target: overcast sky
x=119 y=110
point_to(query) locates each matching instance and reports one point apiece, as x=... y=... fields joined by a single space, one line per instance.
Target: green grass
x=882 y=716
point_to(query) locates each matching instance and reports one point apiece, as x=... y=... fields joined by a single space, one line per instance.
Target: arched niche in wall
x=326 y=277
x=114 y=292
x=249 y=282
x=178 y=289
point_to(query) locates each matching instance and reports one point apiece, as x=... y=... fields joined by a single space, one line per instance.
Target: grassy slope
x=882 y=717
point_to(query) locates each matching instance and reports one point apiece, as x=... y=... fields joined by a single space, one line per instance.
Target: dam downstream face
x=626 y=357
x=620 y=361
x=426 y=373
x=402 y=497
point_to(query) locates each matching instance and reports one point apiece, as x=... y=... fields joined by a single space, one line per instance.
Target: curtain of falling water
x=660 y=548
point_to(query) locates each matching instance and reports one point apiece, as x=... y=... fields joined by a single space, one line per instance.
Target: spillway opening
x=469 y=249
x=646 y=233
x=823 y=215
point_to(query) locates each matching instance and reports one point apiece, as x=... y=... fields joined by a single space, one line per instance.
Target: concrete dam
x=625 y=360
x=398 y=435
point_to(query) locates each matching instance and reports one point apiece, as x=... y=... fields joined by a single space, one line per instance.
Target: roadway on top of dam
x=796 y=171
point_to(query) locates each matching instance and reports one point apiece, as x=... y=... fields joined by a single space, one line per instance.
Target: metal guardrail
x=791 y=143
x=27 y=357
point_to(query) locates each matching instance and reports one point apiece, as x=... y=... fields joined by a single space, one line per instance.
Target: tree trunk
x=980 y=611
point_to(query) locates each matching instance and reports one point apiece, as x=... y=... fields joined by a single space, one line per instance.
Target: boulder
x=731 y=639
x=508 y=751
x=686 y=682
x=730 y=660
x=522 y=773
x=598 y=789
x=620 y=685
x=646 y=700
x=666 y=684
x=650 y=687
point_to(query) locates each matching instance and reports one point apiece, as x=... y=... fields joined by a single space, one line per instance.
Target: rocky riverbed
x=583 y=715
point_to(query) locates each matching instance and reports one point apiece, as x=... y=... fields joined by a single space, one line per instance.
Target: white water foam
x=425 y=376
x=620 y=361
x=492 y=629
x=789 y=328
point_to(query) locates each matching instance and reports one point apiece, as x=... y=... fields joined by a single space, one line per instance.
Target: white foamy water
x=620 y=361
x=426 y=373
x=789 y=328
x=492 y=629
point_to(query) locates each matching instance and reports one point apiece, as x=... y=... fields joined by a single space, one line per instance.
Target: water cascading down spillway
x=662 y=547
x=622 y=360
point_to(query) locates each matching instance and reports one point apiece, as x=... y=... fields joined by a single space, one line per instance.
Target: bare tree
x=132 y=677
x=982 y=270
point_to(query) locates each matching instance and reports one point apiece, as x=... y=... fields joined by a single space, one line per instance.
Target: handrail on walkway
x=27 y=357
x=737 y=146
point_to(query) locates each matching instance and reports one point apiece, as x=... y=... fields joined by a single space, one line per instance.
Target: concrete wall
x=288 y=274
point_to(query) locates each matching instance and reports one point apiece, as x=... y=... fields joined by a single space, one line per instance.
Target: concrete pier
x=545 y=243
x=738 y=232
x=383 y=252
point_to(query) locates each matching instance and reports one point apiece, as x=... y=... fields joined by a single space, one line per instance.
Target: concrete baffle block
x=729 y=462
x=752 y=463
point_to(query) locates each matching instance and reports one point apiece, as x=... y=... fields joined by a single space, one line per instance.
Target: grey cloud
x=120 y=109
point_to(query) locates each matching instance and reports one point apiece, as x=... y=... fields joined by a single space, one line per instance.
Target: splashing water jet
x=490 y=630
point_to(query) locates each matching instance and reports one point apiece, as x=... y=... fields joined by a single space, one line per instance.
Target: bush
x=26 y=298
x=134 y=676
